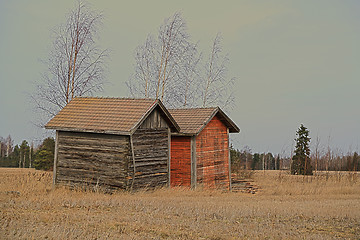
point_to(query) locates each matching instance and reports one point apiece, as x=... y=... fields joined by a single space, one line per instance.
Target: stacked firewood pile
x=243 y=185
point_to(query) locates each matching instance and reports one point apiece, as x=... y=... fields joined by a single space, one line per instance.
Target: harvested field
x=284 y=207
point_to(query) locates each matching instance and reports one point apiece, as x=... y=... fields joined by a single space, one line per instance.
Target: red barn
x=200 y=151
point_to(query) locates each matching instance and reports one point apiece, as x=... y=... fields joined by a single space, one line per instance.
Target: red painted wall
x=212 y=155
x=180 y=165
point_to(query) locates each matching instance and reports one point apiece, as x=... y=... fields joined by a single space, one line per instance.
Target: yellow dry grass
x=286 y=207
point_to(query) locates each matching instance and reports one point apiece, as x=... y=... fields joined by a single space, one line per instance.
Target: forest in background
x=27 y=155
x=321 y=160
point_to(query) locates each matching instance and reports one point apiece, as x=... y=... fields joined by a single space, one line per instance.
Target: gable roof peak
x=193 y=120
x=106 y=114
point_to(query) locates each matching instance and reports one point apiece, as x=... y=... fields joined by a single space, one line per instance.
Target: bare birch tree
x=75 y=63
x=217 y=89
x=9 y=145
x=166 y=64
x=170 y=68
x=6 y=146
x=328 y=155
x=317 y=153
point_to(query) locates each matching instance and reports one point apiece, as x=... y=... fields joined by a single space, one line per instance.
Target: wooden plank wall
x=154 y=121
x=151 y=152
x=212 y=155
x=180 y=161
x=94 y=159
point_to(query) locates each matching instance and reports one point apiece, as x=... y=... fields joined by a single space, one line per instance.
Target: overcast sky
x=295 y=62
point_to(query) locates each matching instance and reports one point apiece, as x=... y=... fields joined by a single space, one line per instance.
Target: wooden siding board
x=212 y=152
x=93 y=159
x=55 y=157
x=193 y=162
x=180 y=161
x=151 y=157
x=169 y=157
x=229 y=160
x=154 y=120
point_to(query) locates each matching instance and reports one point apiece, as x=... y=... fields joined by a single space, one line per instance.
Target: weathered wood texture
x=151 y=152
x=55 y=157
x=193 y=162
x=212 y=155
x=180 y=161
x=93 y=159
x=229 y=161
x=154 y=121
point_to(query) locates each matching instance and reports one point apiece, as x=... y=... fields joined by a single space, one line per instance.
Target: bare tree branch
x=162 y=63
x=170 y=68
x=76 y=64
x=217 y=88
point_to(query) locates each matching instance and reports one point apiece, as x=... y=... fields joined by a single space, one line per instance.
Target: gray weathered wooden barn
x=113 y=143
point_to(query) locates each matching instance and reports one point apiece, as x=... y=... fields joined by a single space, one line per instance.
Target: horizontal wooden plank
x=76 y=182
x=151 y=157
x=91 y=176
x=93 y=158
x=92 y=150
x=89 y=135
x=106 y=168
x=149 y=163
x=153 y=170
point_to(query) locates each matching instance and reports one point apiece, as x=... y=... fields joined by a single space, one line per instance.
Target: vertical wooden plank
x=149 y=121
x=229 y=159
x=133 y=160
x=160 y=120
x=169 y=157
x=55 y=156
x=154 y=118
x=193 y=162
x=163 y=123
x=158 y=117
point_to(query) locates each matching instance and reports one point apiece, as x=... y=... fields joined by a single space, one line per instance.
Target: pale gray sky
x=295 y=61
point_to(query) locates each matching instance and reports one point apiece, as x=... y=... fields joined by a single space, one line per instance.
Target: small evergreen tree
x=44 y=160
x=44 y=157
x=301 y=162
x=234 y=159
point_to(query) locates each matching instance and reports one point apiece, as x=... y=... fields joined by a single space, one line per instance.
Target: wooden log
x=89 y=158
x=151 y=152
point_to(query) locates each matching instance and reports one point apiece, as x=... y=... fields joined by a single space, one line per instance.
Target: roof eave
x=180 y=134
x=233 y=127
x=88 y=130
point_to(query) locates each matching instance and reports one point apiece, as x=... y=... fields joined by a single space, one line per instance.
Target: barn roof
x=193 y=120
x=107 y=115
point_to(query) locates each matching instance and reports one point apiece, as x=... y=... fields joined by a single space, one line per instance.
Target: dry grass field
x=286 y=207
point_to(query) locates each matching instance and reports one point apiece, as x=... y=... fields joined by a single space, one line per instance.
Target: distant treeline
x=328 y=161
x=27 y=155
